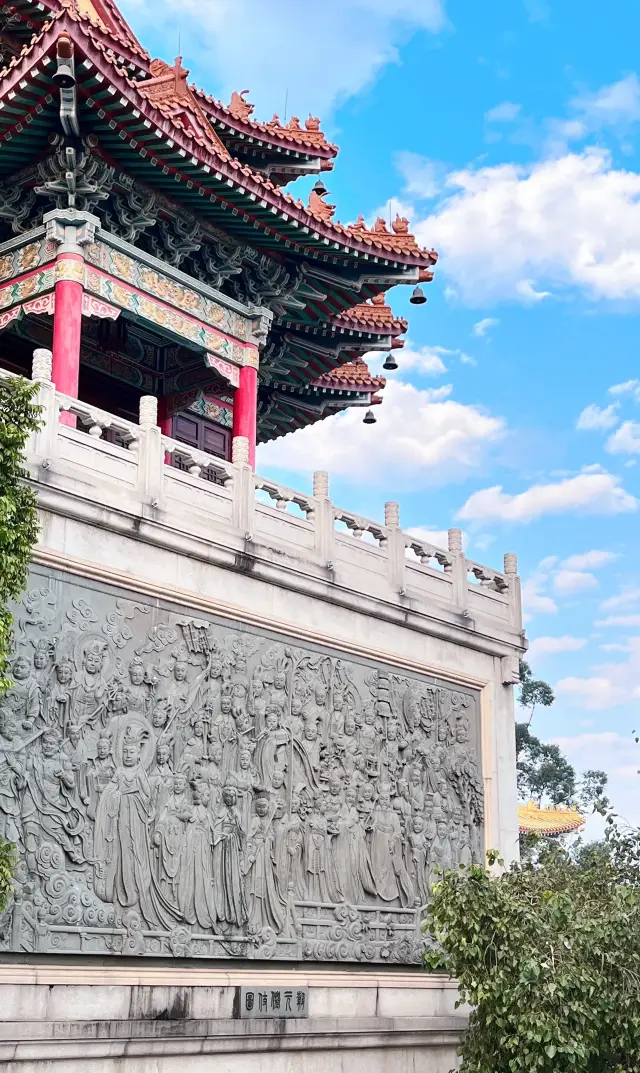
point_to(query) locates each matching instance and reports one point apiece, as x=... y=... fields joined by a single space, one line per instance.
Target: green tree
x=19 y=416
x=533 y=692
x=548 y=956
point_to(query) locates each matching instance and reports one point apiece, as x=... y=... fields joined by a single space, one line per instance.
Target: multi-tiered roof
x=202 y=185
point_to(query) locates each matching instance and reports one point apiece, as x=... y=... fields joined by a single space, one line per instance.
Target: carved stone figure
x=196 y=897
x=265 y=902
x=123 y=872
x=228 y=847
x=187 y=786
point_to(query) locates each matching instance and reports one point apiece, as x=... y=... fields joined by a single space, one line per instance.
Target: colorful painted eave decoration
x=532 y=819
x=186 y=162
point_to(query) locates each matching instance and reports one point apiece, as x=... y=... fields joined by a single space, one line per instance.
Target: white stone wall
x=139 y=1020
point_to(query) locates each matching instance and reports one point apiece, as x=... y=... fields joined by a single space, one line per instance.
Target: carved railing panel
x=182 y=787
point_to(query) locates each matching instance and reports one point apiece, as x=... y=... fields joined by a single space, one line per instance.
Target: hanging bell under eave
x=417 y=297
x=369 y=418
x=64 y=77
x=319 y=188
x=390 y=363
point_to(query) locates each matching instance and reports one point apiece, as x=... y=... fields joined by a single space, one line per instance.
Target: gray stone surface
x=180 y=787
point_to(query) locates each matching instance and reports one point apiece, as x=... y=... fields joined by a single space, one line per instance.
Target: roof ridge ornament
x=318 y=206
x=238 y=107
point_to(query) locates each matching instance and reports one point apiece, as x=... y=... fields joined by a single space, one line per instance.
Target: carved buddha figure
x=50 y=805
x=23 y=697
x=90 y=702
x=13 y=762
x=61 y=694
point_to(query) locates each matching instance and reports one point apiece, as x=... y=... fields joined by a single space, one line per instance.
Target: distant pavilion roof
x=548 y=821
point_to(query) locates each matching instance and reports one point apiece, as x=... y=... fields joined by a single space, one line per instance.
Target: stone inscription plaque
x=274 y=1002
x=181 y=787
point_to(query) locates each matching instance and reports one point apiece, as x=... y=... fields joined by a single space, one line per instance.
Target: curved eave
x=147 y=144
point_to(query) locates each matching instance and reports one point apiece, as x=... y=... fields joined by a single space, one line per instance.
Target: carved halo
x=127 y=726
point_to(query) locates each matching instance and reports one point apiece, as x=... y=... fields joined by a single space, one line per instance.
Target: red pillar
x=67 y=330
x=245 y=405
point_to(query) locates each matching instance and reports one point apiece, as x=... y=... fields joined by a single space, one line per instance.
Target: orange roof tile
x=104 y=15
x=354 y=374
x=239 y=111
x=375 y=314
x=167 y=89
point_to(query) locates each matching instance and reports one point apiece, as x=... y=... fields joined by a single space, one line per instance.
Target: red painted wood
x=67 y=330
x=245 y=406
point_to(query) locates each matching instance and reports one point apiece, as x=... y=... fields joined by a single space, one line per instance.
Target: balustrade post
x=323 y=519
x=514 y=593
x=150 y=452
x=42 y=446
x=459 y=573
x=243 y=489
x=396 y=549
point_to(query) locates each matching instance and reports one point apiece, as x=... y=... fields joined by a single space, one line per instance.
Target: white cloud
x=620 y=620
x=481 y=327
x=625 y=440
x=505 y=112
x=534 y=601
x=426 y=359
x=526 y=290
x=593 y=418
x=615 y=647
x=505 y=230
x=593 y=694
x=629 y=387
x=568 y=582
x=616 y=105
x=586 y=493
x=320 y=60
x=423 y=178
x=551 y=646
x=589 y=560
x=614 y=753
x=623 y=599
x=418 y=440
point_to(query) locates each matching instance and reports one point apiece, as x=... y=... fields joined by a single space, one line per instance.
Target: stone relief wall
x=181 y=787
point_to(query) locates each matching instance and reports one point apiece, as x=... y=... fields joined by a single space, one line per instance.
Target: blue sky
x=509 y=133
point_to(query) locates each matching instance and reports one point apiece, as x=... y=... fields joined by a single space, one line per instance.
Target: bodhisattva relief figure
x=350 y=853
x=440 y=856
x=226 y=732
x=50 y=805
x=60 y=701
x=387 y=864
x=245 y=780
x=100 y=772
x=138 y=690
x=228 y=849
x=91 y=693
x=295 y=850
x=122 y=847
x=220 y=794
x=13 y=761
x=169 y=836
x=318 y=867
x=75 y=748
x=196 y=897
x=267 y=907
x=23 y=697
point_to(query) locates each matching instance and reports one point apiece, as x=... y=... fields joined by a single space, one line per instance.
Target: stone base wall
x=57 y=1017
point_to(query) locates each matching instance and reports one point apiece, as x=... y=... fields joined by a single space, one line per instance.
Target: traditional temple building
x=242 y=310
x=248 y=727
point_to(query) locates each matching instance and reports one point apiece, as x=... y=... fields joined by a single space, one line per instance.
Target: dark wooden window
x=201 y=433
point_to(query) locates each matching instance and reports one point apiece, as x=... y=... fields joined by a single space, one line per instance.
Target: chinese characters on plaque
x=274 y=1002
